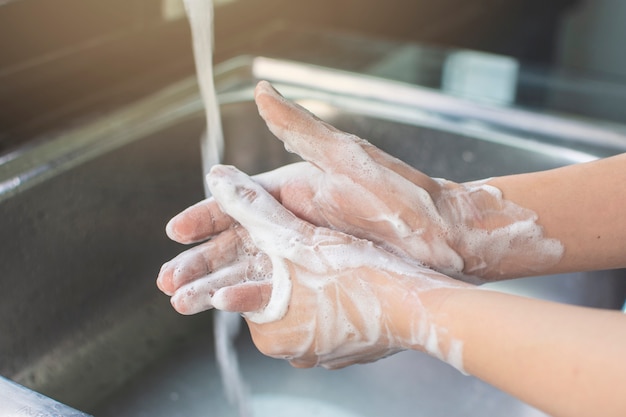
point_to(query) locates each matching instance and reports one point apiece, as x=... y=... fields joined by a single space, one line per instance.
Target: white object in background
x=172 y=9
x=481 y=76
x=175 y=9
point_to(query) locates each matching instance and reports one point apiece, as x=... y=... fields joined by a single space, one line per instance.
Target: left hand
x=311 y=295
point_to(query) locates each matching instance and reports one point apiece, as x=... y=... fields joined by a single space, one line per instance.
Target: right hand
x=467 y=231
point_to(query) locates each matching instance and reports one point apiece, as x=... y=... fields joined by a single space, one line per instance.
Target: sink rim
x=235 y=79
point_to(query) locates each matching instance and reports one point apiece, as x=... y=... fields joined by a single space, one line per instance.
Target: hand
x=467 y=231
x=311 y=295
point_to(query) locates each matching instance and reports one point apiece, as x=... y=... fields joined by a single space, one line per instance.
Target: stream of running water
x=226 y=325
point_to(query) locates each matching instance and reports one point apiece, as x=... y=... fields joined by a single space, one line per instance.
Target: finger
x=198 y=222
x=205 y=218
x=202 y=260
x=303 y=133
x=325 y=146
x=195 y=296
x=243 y=298
x=270 y=225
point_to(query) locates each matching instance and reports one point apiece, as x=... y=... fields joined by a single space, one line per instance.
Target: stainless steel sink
x=86 y=212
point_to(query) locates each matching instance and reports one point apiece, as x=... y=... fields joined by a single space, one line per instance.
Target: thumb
x=271 y=226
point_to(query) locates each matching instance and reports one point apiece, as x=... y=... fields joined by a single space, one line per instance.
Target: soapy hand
x=467 y=231
x=311 y=295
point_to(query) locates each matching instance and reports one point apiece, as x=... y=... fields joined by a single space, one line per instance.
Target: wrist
x=424 y=321
x=494 y=236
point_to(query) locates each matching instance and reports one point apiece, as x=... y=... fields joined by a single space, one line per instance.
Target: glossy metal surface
x=17 y=401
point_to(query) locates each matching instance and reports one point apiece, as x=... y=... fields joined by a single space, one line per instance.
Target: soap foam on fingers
x=342 y=318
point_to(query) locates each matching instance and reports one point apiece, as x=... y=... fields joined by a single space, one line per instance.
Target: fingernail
x=160 y=281
x=215 y=177
x=216 y=170
x=219 y=300
x=267 y=87
x=170 y=229
x=181 y=228
x=226 y=179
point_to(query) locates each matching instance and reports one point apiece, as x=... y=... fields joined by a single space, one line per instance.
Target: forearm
x=563 y=359
x=582 y=206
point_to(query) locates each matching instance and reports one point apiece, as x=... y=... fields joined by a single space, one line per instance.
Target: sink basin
x=88 y=208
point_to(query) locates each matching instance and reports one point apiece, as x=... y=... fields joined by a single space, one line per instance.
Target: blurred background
x=65 y=61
